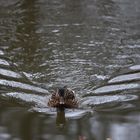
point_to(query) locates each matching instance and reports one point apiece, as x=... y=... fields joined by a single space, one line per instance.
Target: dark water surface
x=93 y=46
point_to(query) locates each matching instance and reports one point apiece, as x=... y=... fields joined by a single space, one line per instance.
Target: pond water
x=92 y=46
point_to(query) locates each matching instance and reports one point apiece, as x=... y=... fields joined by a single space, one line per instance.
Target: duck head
x=61 y=93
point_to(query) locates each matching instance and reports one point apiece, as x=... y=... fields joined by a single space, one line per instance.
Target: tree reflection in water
x=78 y=43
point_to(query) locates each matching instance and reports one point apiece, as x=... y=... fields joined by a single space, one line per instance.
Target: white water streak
x=127 y=77
x=22 y=86
x=112 y=88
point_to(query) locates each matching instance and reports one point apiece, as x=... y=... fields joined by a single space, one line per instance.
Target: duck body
x=63 y=98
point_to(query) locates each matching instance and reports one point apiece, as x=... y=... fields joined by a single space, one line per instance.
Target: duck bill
x=61 y=101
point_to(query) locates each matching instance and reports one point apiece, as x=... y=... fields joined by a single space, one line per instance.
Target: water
x=90 y=45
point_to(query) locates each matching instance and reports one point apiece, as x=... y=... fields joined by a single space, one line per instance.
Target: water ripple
x=1 y=52
x=9 y=73
x=22 y=86
x=99 y=100
x=114 y=88
x=135 y=67
x=4 y=62
x=69 y=113
x=26 y=98
x=126 y=77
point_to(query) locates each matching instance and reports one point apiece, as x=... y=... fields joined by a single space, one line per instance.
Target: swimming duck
x=63 y=98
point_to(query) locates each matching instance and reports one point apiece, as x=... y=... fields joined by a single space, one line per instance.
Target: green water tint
x=91 y=46
x=60 y=119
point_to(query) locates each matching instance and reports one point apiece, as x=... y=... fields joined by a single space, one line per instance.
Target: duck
x=63 y=98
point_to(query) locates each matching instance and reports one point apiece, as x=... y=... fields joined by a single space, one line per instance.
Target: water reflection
x=37 y=126
x=60 y=118
x=26 y=42
x=91 y=46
